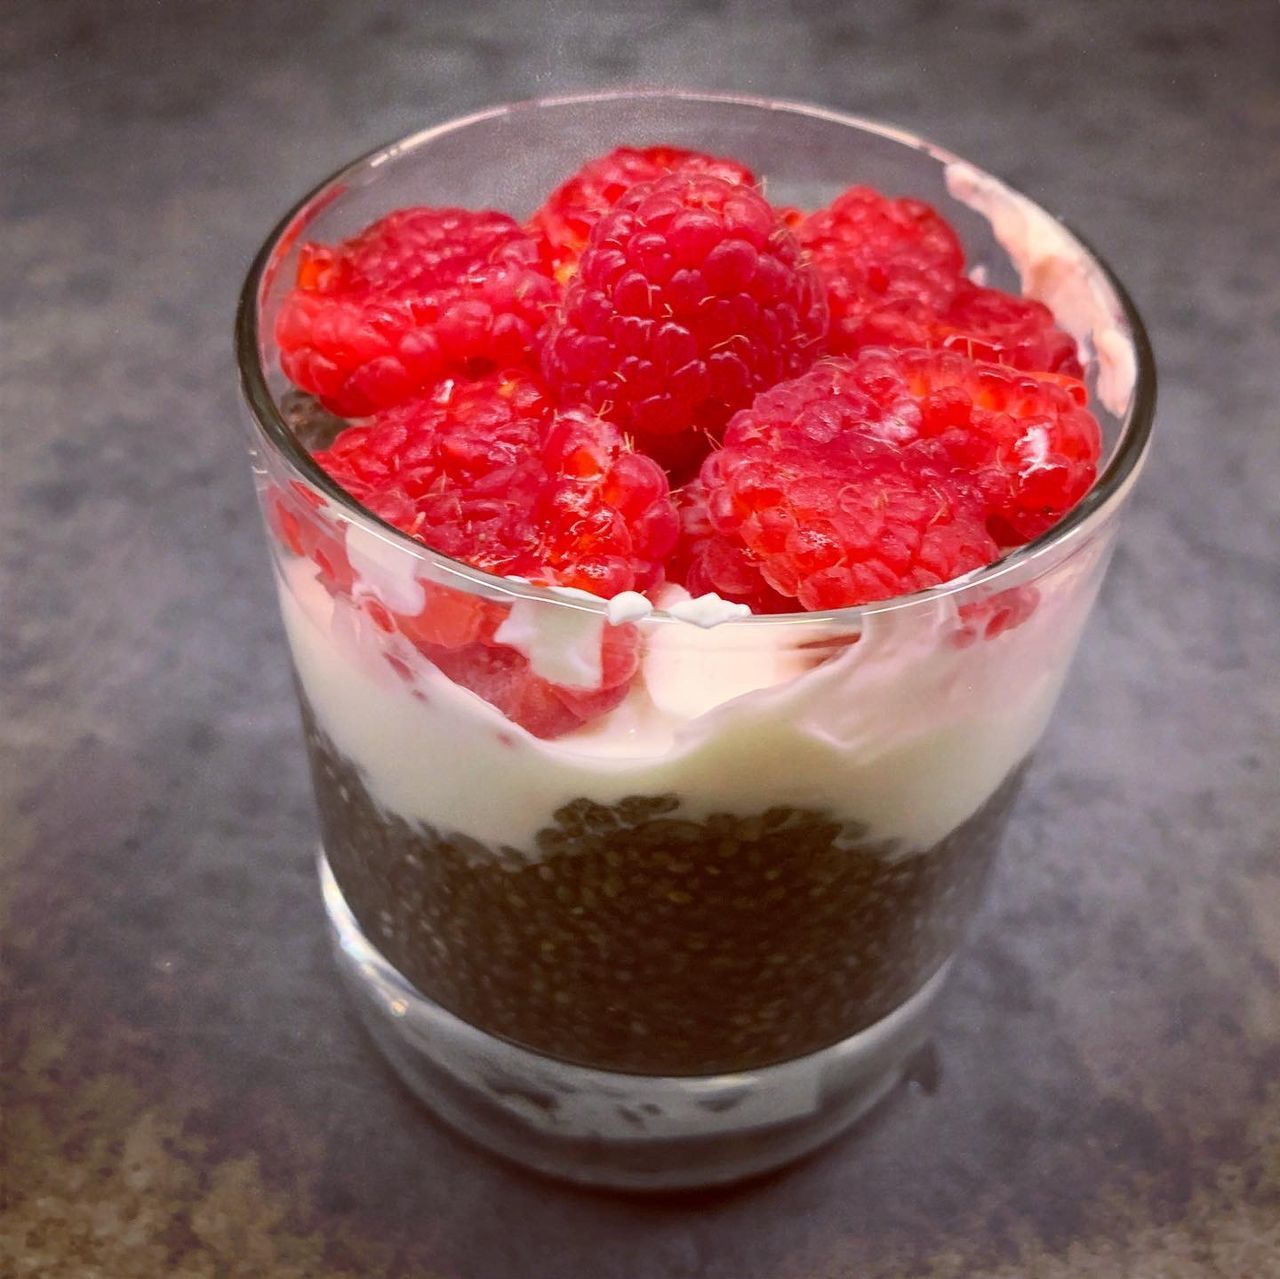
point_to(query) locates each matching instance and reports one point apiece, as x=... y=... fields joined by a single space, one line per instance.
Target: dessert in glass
x=684 y=511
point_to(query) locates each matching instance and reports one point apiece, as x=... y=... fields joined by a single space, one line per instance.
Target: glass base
x=603 y=1128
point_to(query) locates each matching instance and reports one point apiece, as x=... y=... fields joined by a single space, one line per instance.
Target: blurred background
x=183 y=1092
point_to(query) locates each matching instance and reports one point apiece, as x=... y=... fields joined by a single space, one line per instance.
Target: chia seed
x=636 y=938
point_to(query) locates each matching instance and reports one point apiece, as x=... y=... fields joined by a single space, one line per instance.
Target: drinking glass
x=699 y=935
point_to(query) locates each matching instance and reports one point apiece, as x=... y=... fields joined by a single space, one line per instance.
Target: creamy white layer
x=902 y=731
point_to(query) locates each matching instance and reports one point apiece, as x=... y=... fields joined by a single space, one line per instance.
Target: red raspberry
x=295 y=517
x=459 y=470
x=503 y=677
x=420 y=295
x=880 y=475
x=893 y=274
x=985 y=619
x=563 y=224
x=457 y=631
x=486 y=472
x=691 y=297
x=824 y=521
x=870 y=249
x=489 y=473
x=1003 y=328
x=1026 y=441
x=607 y=513
x=986 y=324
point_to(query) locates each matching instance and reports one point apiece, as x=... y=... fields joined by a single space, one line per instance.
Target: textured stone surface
x=183 y=1092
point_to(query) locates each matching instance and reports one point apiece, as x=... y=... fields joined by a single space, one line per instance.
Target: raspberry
x=1027 y=444
x=893 y=275
x=607 y=512
x=879 y=475
x=690 y=298
x=420 y=295
x=986 y=324
x=456 y=632
x=563 y=224
x=503 y=677
x=827 y=521
x=486 y=472
x=870 y=249
x=991 y=617
x=294 y=516
x=1003 y=328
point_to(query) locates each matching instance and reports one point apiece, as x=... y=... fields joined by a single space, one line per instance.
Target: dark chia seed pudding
x=632 y=938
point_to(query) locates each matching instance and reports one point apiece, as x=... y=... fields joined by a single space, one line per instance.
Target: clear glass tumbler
x=697 y=937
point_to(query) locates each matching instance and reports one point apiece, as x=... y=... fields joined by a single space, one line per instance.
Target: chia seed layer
x=638 y=940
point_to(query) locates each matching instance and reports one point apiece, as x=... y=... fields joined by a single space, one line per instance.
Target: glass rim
x=1106 y=492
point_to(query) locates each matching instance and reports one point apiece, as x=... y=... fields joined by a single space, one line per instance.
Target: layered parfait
x=645 y=766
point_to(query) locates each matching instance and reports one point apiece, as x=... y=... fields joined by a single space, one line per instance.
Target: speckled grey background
x=183 y=1091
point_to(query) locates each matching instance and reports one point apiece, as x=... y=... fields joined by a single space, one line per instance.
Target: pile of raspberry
x=660 y=377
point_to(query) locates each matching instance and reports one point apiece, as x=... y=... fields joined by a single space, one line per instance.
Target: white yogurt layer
x=901 y=731
x=1055 y=270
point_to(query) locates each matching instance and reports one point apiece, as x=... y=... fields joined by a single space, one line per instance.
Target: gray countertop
x=184 y=1092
